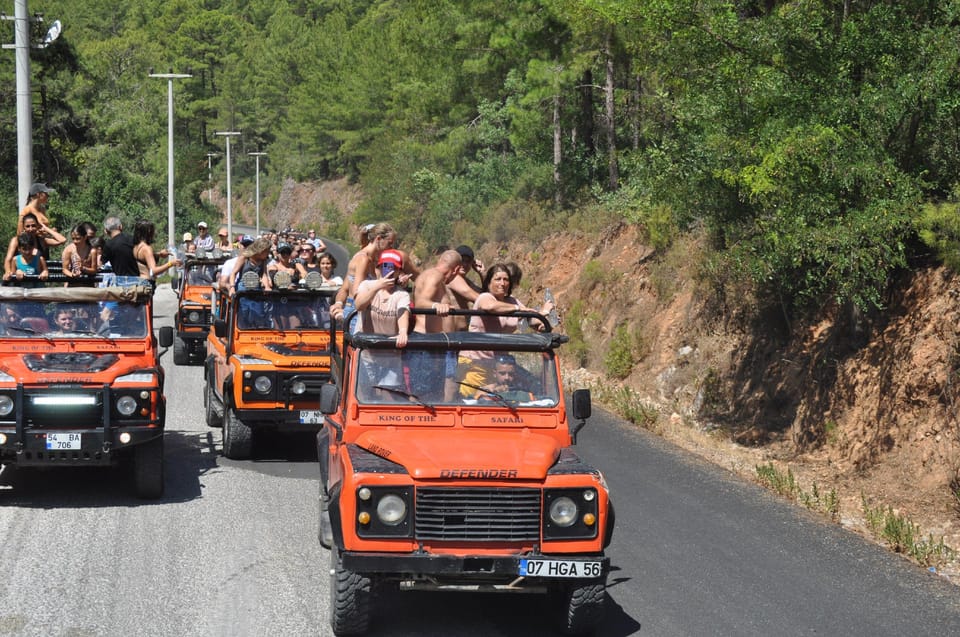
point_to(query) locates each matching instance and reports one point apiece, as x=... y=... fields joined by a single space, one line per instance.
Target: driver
x=506 y=381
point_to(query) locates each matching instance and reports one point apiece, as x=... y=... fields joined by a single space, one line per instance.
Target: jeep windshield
x=200 y=273
x=281 y=311
x=464 y=373
x=75 y=314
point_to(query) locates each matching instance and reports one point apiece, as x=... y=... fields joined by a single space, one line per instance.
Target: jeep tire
x=350 y=598
x=213 y=417
x=237 y=436
x=180 y=354
x=582 y=606
x=148 y=469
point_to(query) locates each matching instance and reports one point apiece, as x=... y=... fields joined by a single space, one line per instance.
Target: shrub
x=619 y=359
x=577 y=348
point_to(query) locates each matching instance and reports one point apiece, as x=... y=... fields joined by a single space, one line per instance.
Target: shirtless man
x=426 y=375
x=431 y=292
x=461 y=291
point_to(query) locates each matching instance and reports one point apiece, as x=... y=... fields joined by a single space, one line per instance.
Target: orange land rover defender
x=449 y=465
x=194 y=316
x=267 y=358
x=80 y=380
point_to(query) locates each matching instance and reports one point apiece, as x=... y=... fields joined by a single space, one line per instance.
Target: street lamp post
x=210 y=156
x=170 y=77
x=258 y=155
x=228 y=135
x=22 y=45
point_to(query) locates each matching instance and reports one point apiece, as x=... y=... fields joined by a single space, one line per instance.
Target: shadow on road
x=429 y=614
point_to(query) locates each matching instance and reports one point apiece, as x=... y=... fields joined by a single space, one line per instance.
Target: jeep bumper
x=90 y=447
x=459 y=568
x=286 y=420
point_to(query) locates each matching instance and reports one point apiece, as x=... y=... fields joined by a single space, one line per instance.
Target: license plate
x=560 y=568
x=311 y=417
x=63 y=441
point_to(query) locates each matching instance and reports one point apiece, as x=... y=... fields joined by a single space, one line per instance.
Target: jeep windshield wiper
x=496 y=397
x=406 y=394
x=105 y=337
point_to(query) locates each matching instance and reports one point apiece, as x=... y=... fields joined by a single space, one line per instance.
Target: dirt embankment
x=865 y=405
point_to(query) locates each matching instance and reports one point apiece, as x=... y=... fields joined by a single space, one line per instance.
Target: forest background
x=817 y=142
x=791 y=156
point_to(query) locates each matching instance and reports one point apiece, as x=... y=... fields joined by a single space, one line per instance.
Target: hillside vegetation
x=816 y=143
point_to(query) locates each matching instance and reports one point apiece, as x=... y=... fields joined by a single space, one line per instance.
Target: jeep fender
x=323 y=455
x=611 y=519
x=333 y=510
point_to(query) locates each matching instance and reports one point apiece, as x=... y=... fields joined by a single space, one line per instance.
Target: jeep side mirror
x=581 y=411
x=329 y=398
x=581 y=404
x=166 y=336
x=220 y=328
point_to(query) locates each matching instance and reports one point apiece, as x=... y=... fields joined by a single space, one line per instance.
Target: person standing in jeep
x=118 y=249
x=384 y=309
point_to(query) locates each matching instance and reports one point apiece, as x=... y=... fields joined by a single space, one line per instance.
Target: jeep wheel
x=583 y=607
x=214 y=418
x=148 y=469
x=180 y=355
x=350 y=598
x=237 y=437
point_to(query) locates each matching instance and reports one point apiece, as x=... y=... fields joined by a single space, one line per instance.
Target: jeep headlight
x=6 y=405
x=298 y=388
x=126 y=405
x=563 y=512
x=193 y=316
x=263 y=384
x=384 y=511
x=391 y=509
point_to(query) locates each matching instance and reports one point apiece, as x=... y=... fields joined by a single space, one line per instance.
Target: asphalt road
x=231 y=549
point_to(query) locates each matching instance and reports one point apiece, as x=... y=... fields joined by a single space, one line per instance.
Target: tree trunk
x=557 y=150
x=612 y=168
x=586 y=115
x=636 y=111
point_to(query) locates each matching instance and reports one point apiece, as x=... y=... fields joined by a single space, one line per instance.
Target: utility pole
x=228 y=135
x=258 y=155
x=170 y=77
x=21 y=45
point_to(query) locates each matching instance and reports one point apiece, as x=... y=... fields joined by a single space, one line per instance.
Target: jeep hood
x=467 y=455
x=291 y=354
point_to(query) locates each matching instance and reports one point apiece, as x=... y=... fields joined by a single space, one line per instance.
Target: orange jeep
x=267 y=358
x=193 y=317
x=80 y=380
x=449 y=465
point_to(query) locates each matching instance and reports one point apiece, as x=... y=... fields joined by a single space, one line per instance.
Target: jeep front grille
x=479 y=515
x=313 y=383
